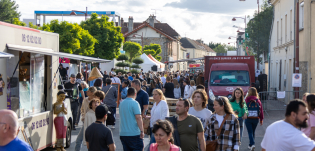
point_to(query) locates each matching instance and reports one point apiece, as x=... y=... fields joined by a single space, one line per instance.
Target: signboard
x=246 y=34
x=194 y=65
x=187 y=55
x=296 y=80
x=280 y=94
x=257 y=73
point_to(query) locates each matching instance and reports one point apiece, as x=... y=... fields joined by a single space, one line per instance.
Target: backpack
x=253 y=109
x=110 y=116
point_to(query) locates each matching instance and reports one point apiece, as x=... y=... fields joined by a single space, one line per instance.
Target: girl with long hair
x=255 y=114
x=159 y=110
x=310 y=130
x=228 y=138
x=177 y=89
x=239 y=107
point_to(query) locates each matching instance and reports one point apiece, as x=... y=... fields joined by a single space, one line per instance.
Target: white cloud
x=192 y=18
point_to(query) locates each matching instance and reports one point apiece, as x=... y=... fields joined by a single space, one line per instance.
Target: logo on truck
x=229 y=89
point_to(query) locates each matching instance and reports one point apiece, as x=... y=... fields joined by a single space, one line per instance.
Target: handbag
x=212 y=145
x=146 y=126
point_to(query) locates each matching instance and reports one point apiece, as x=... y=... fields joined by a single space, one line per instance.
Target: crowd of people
x=196 y=125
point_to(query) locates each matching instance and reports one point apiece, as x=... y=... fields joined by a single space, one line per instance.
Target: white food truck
x=29 y=61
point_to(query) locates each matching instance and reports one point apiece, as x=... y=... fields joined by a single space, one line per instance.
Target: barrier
x=276 y=100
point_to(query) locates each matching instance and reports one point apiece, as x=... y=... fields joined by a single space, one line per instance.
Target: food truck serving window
x=229 y=77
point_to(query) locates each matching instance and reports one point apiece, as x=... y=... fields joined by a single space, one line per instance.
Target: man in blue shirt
x=130 y=76
x=8 y=133
x=142 y=96
x=131 y=125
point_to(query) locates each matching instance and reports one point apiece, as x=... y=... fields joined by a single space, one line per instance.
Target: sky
x=209 y=20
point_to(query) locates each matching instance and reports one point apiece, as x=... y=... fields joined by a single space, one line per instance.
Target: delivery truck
x=225 y=73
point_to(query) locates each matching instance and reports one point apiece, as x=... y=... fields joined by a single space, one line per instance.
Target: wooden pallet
x=171 y=105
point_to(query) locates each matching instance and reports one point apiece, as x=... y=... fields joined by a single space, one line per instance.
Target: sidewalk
x=260 y=131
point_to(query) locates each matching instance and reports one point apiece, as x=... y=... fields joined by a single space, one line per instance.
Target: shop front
x=29 y=70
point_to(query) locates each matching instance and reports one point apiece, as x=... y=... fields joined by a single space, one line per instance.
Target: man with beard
x=284 y=135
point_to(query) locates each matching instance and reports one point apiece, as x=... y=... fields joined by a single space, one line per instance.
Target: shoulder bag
x=212 y=145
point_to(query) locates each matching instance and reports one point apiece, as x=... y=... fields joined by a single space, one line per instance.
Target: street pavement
x=260 y=131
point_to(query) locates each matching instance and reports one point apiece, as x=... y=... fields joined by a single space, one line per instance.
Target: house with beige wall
x=307 y=44
x=282 y=46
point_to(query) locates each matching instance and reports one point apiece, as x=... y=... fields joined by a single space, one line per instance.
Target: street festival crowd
x=200 y=124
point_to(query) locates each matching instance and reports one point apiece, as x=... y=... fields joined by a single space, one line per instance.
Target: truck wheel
x=68 y=136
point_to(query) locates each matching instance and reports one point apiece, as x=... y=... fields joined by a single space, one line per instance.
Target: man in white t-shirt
x=284 y=135
x=115 y=79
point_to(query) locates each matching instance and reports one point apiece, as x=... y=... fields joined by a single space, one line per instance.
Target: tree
x=133 y=49
x=8 y=11
x=72 y=38
x=108 y=36
x=213 y=45
x=16 y=21
x=220 y=49
x=153 y=49
x=258 y=30
x=122 y=64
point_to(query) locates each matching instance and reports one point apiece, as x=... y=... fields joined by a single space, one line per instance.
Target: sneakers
x=251 y=148
x=113 y=127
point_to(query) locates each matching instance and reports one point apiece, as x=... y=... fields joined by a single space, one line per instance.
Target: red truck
x=225 y=73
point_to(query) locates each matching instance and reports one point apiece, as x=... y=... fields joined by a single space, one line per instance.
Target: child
x=90 y=115
x=100 y=95
x=124 y=90
x=84 y=110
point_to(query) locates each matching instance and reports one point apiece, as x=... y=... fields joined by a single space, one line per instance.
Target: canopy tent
x=148 y=63
x=162 y=65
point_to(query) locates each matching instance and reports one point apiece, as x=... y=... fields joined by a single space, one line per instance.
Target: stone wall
x=305 y=83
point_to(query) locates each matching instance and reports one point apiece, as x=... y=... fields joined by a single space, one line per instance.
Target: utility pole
x=297 y=40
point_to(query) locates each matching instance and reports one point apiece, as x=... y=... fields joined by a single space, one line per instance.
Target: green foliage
x=134 y=71
x=153 y=49
x=135 y=66
x=72 y=38
x=259 y=31
x=122 y=64
x=108 y=36
x=133 y=49
x=122 y=57
x=121 y=70
x=8 y=11
x=220 y=49
x=213 y=45
x=137 y=60
x=16 y=21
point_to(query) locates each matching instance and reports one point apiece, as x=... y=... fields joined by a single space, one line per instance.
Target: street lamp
x=232 y=42
x=232 y=37
x=234 y=19
x=74 y=14
x=134 y=35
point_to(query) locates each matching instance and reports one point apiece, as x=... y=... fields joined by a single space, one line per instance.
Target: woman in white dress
x=90 y=115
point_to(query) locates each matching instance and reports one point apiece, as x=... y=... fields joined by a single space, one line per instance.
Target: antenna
x=156 y=10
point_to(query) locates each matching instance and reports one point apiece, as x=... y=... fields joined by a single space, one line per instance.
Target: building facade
x=306 y=24
x=282 y=46
x=153 y=31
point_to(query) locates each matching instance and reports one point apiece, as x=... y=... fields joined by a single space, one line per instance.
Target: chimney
x=122 y=22
x=130 y=24
x=151 y=21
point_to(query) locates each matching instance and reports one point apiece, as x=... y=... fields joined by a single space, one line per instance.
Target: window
x=285 y=28
x=301 y=16
x=281 y=31
x=229 y=78
x=291 y=34
x=277 y=33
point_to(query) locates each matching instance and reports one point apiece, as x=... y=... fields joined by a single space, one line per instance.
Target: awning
x=50 y=52
x=5 y=55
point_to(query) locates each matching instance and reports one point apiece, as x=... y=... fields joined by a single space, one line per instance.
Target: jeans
x=78 y=142
x=132 y=143
x=241 y=123
x=251 y=125
x=79 y=110
x=74 y=110
x=114 y=110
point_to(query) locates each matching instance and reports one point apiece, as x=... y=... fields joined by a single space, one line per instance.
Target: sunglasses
x=220 y=98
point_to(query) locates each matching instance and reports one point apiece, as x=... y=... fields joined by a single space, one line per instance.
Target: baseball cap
x=101 y=111
x=72 y=76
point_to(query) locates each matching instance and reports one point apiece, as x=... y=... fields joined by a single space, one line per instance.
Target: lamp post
x=234 y=19
x=85 y=13
x=134 y=35
x=232 y=37
x=74 y=14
